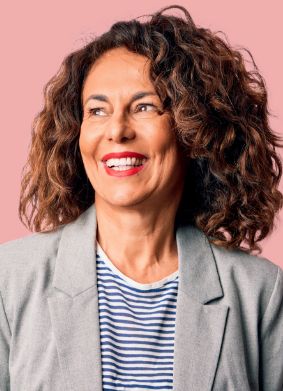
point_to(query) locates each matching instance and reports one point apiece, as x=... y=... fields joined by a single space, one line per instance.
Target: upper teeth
x=128 y=161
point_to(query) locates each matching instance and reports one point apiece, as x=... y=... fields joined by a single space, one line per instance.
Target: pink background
x=36 y=35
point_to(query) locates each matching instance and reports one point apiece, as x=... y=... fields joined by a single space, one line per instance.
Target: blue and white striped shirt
x=137 y=327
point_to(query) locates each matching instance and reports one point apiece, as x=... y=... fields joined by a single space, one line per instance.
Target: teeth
x=125 y=162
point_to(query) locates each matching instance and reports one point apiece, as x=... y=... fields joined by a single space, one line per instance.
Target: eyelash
x=92 y=110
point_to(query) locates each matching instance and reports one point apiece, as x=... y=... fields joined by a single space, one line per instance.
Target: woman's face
x=120 y=109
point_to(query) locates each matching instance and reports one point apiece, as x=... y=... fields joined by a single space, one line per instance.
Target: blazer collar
x=75 y=269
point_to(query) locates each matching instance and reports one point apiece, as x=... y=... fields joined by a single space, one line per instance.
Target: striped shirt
x=137 y=327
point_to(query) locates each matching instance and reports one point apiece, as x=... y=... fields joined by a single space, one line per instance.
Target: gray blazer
x=229 y=320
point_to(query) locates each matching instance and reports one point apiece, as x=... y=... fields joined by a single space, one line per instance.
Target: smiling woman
x=151 y=164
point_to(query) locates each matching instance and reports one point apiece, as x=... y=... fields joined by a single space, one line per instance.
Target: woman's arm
x=5 y=336
x=271 y=365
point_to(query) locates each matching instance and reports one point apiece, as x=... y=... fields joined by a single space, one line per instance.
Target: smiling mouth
x=124 y=169
x=125 y=162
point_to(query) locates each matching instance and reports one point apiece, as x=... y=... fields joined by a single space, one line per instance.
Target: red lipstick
x=123 y=173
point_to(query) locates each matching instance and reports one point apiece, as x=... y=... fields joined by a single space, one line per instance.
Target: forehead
x=118 y=69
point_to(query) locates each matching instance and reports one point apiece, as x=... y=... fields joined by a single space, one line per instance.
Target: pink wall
x=37 y=35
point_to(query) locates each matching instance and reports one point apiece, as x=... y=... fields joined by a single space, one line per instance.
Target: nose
x=119 y=128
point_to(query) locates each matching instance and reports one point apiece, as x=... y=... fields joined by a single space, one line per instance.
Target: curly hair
x=219 y=114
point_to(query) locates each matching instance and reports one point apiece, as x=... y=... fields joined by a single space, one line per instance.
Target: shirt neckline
x=136 y=284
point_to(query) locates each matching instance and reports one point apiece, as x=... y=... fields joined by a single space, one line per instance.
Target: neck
x=140 y=240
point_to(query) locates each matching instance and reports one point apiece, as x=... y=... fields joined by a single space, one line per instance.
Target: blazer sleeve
x=5 y=336
x=271 y=344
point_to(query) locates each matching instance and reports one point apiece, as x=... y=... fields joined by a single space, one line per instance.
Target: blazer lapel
x=199 y=327
x=73 y=307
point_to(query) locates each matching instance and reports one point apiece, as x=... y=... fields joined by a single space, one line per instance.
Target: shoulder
x=21 y=259
x=240 y=262
x=31 y=247
x=253 y=277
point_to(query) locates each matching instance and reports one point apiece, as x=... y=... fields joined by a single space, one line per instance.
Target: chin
x=126 y=200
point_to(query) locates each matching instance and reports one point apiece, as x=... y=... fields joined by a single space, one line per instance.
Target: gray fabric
x=229 y=320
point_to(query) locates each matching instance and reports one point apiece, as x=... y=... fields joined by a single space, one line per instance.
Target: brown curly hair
x=220 y=116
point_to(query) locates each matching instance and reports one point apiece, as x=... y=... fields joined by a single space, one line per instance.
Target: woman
x=150 y=163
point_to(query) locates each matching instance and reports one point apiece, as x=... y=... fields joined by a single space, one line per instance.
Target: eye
x=95 y=111
x=140 y=106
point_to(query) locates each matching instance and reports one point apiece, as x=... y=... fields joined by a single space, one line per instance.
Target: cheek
x=87 y=141
x=162 y=134
x=163 y=140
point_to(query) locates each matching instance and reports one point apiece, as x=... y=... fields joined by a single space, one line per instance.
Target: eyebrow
x=136 y=96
